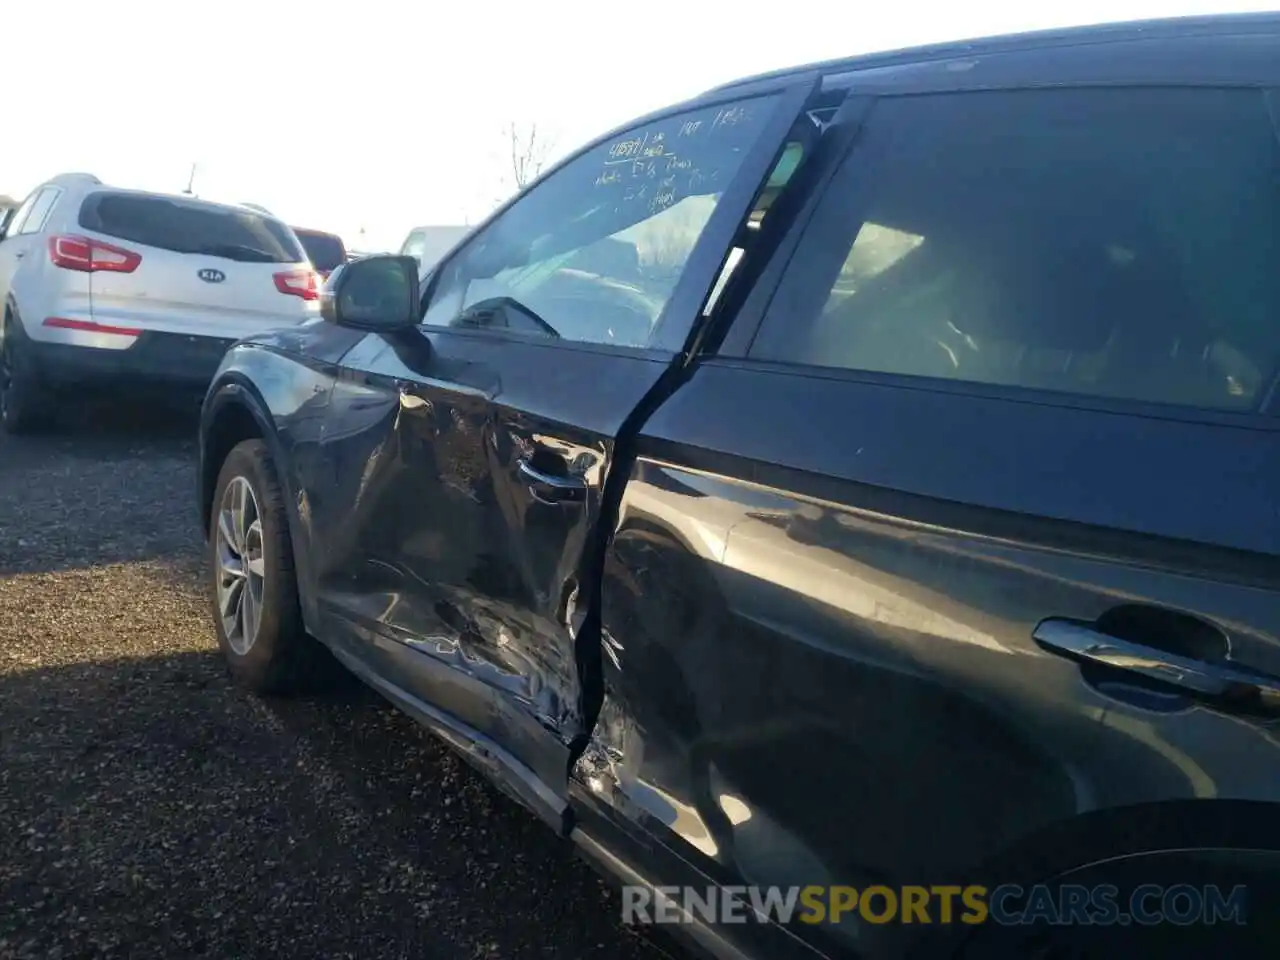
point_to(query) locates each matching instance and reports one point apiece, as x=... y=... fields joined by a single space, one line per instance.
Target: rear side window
x=186 y=227
x=41 y=204
x=1108 y=243
x=324 y=250
x=20 y=215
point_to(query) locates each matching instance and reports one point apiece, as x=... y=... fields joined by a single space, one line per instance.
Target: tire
x=276 y=656
x=24 y=407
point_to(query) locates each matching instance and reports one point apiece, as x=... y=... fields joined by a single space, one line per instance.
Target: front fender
x=281 y=399
x=232 y=395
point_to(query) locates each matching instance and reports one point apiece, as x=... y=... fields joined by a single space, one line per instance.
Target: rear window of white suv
x=190 y=227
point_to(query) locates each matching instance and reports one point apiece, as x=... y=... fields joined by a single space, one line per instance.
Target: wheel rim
x=241 y=572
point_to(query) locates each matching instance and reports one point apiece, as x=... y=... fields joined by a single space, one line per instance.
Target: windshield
x=190 y=227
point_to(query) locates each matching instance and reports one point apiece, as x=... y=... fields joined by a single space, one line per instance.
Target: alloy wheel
x=241 y=571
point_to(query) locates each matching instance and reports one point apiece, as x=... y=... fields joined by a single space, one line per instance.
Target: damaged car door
x=479 y=476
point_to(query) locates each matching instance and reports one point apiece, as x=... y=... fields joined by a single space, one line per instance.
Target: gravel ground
x=150 y=809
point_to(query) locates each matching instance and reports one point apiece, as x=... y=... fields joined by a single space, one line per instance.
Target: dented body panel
x=442 y=562
x=820 y=665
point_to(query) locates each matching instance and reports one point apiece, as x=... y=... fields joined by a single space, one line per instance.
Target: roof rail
x=1158 y=28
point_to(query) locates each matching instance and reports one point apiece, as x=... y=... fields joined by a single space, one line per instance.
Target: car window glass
x=593 y=252
x=20 y=217
x=185 y=227
x=413 y=244
x=1107 y=243
x=39 y=211
x=324 y=250
x=789 y=160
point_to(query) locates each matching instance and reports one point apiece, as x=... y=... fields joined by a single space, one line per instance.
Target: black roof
x=1166 y=28
x=1251 y=62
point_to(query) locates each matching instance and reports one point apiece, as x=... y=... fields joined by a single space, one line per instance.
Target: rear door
x=194 y=268
x=976 y=531
x=476 y=452
x=20 y=243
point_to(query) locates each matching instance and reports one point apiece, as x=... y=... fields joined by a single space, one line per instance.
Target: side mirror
x=373 y=293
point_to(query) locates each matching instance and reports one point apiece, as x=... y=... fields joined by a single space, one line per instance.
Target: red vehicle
x=325 y=250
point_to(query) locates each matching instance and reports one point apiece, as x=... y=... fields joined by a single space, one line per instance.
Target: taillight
x=298 y=283
x=91 y=256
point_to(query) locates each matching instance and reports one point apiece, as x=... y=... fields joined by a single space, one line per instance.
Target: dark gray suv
x=857 y=485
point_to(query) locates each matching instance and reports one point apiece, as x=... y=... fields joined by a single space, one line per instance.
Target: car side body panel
x=823 y=586
x=818 y=593
x=276 y=387
x=821 y=664
x=445 y=568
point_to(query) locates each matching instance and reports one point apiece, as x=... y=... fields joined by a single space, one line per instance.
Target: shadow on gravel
x=116 y=426
x=150 y=808
x=114 y=486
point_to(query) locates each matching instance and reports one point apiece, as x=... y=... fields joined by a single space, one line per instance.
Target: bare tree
x=529 y=152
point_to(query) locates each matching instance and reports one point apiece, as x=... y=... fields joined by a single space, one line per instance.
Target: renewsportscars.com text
x=1007 y=905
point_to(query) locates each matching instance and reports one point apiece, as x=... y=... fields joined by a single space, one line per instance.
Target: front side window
x=1107 y=243
x=593 y=253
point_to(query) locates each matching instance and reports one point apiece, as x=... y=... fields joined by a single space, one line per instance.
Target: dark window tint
x=324 y=250
x=1113 y=243
x=593 y=252
x=187 y=227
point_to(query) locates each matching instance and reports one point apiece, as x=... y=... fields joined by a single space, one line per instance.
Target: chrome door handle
x=550 y=488
x=1223 y=681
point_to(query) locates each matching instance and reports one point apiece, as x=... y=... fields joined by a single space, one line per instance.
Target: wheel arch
x=1099 y=836
x=10 y=312
x=234 y=411
x=1083 y=848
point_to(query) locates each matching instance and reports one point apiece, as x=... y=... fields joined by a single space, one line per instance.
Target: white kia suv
x=124 y=289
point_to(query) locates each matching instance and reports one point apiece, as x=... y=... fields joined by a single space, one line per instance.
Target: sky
x=367 y=117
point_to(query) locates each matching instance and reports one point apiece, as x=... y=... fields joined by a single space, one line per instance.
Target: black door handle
x=1081 y=642
x=550 y=488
